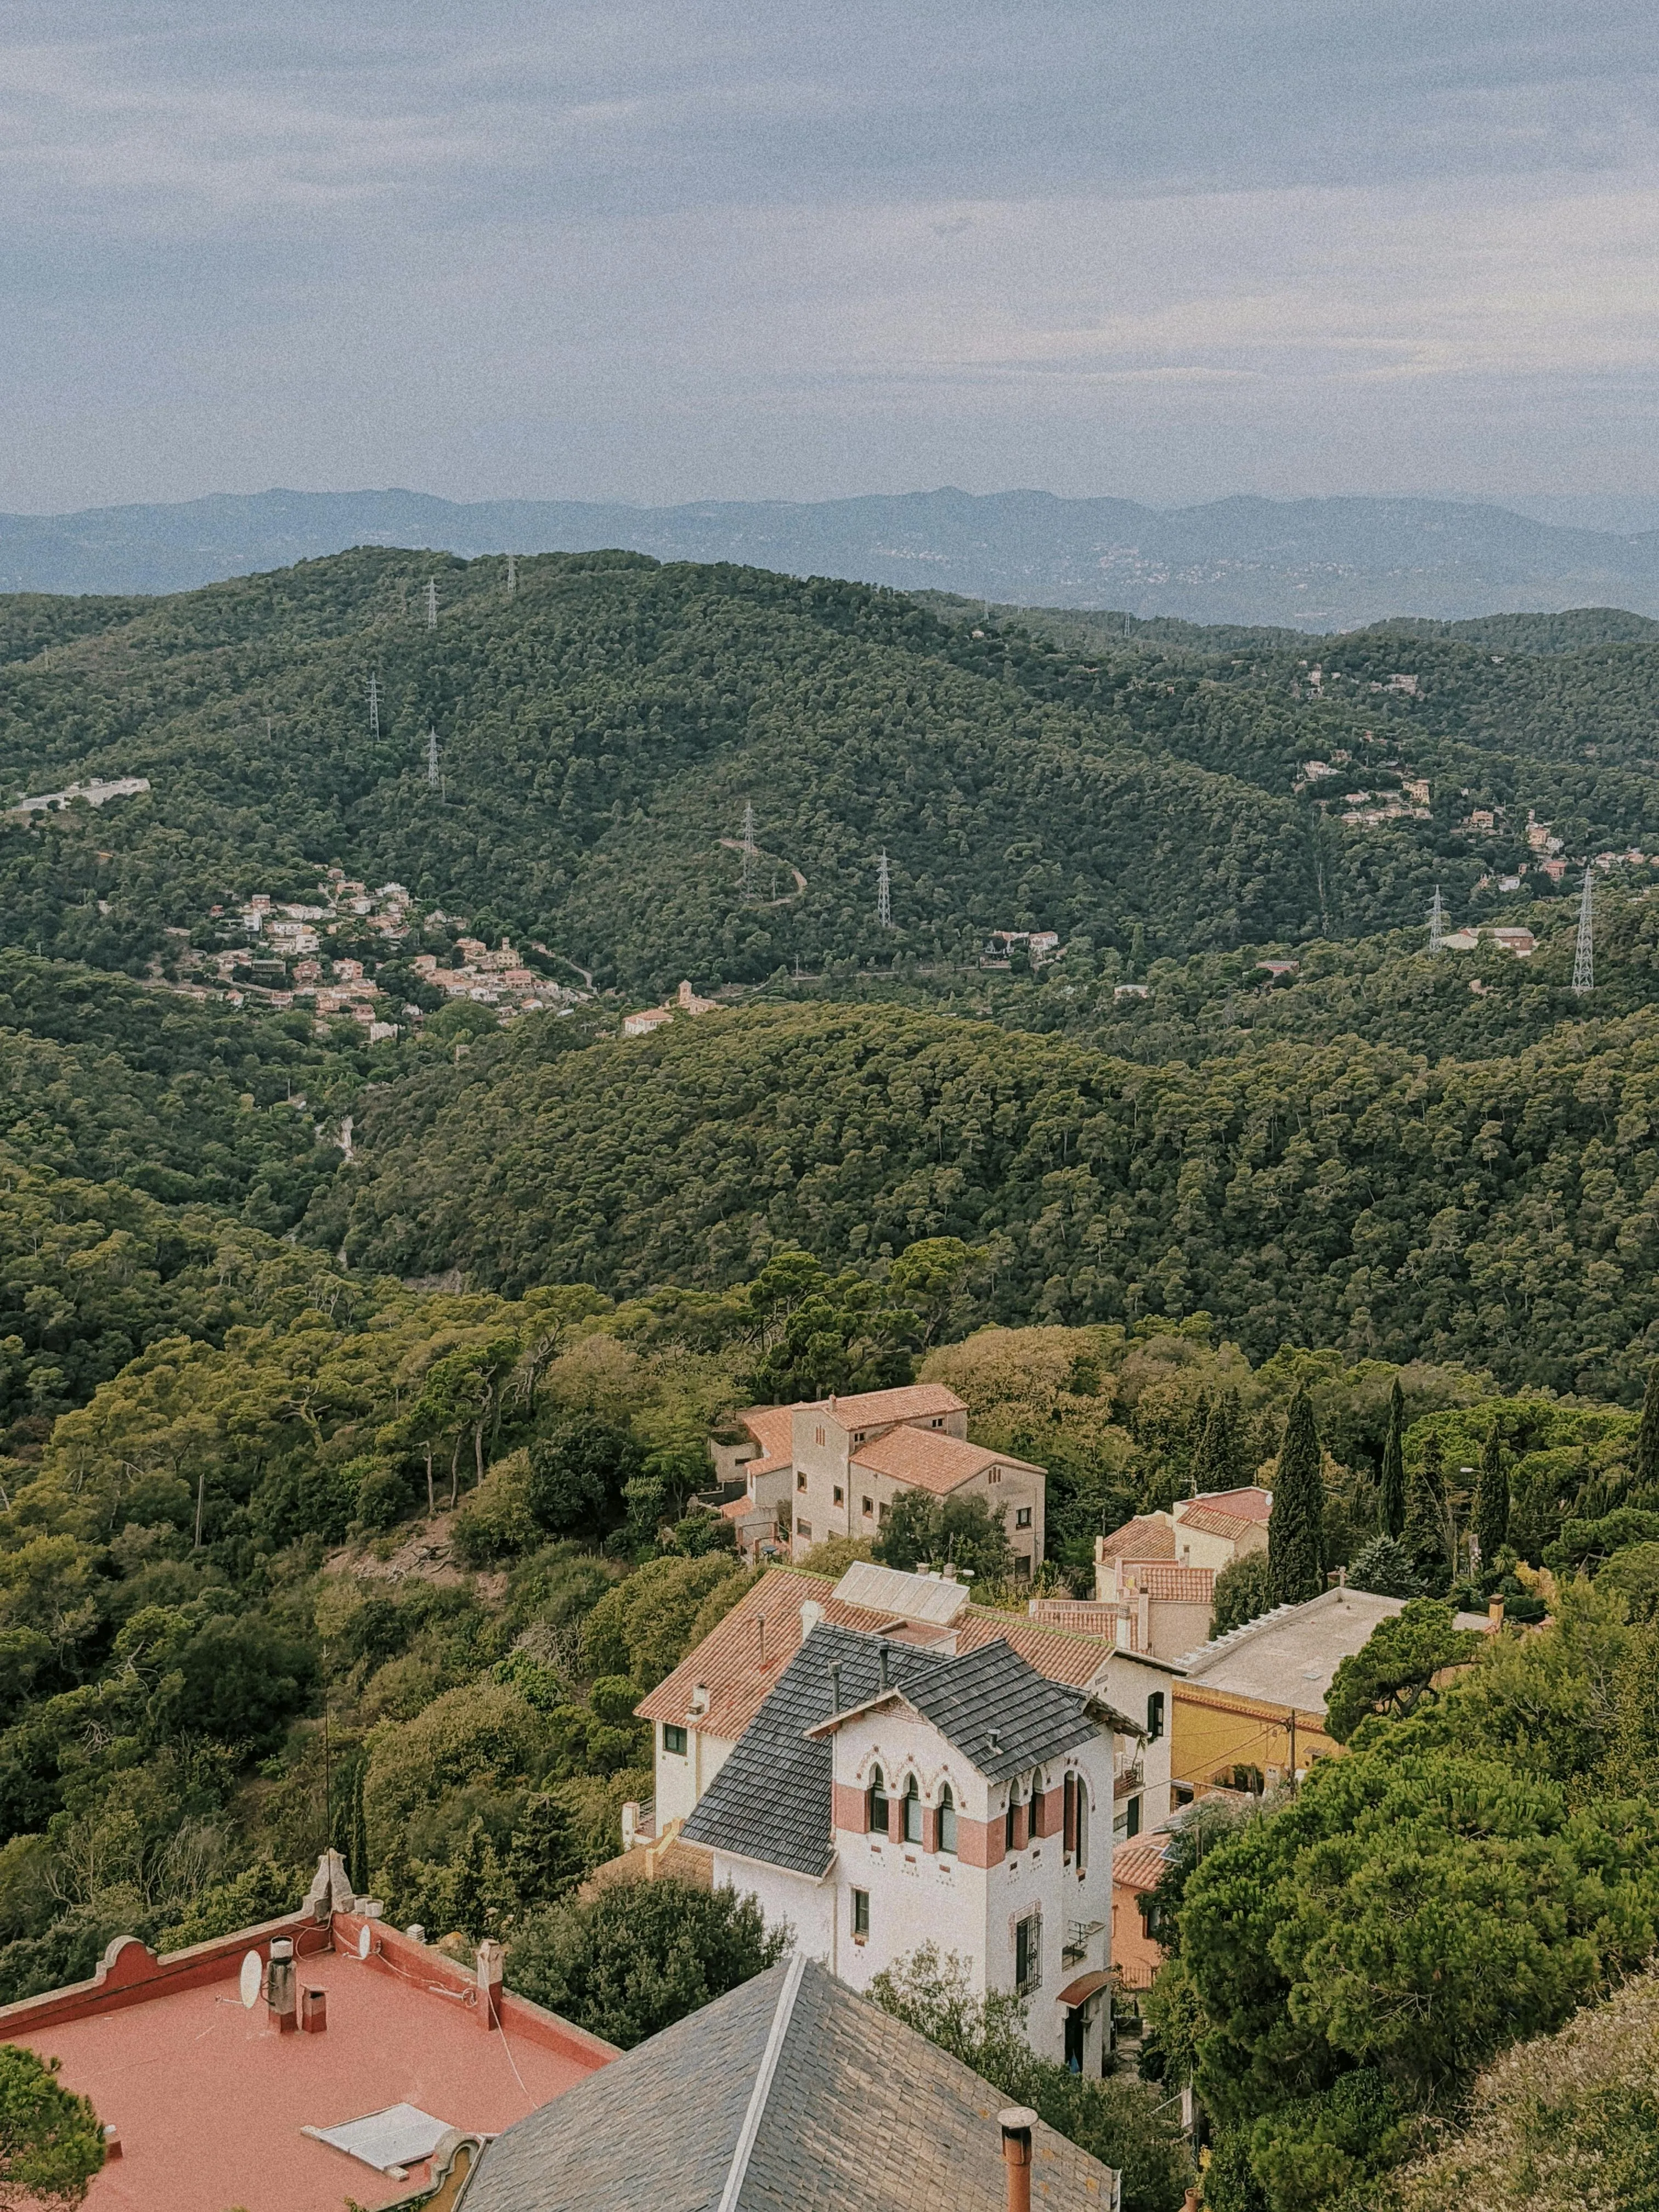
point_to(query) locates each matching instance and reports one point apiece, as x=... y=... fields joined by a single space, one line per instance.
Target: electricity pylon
x=432 y=603
x=373 y=707
x=432 y=758
x=1583 y=958
x=750 y=855
x=1436 y=924
x=883 y=893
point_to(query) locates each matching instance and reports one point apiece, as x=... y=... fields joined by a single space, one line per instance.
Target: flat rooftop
x=210 y=2099
x=1290 y=1657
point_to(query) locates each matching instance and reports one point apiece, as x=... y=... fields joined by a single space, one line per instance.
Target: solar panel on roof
x=888 y=1589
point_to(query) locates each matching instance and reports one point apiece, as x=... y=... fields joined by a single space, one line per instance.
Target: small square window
x=861 y=1916
x=673 y=1739
x=840 y=1495
x=800 y=1481
x=1023 y=1517
x=803 y=1530
x=869 y=1507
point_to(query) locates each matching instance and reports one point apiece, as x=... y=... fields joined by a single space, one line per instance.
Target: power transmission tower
x=432 y=603
x=1583 y=959
x=750 y=855
x=512 y=575
x=1436 y=924
x=373 y=707
x=883 y=893
x=432 y=758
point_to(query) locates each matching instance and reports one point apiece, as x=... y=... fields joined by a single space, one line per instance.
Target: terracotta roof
x=1162 y=1578
x=917 y=1401
x=1250 y=1504
x=1148 y=1536
x=1139 y=1867
x=728 y=1664
x=771 y=1426
x=929 y=1460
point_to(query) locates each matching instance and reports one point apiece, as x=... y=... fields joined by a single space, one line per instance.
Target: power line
x=1436 y=924
x=883 y=893
x=1583 y=958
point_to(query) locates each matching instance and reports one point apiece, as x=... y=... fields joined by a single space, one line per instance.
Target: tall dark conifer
x=1426 y=1533
x=1647 y=1440
x=1296 y=1531
x=1391 y=1504
x=1492 y=1500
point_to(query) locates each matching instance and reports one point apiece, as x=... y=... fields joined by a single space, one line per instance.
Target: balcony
x=1080 y=1934
x=1129 y=1776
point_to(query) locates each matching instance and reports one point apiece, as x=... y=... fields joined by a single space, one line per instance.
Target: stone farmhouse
x=833 y=1466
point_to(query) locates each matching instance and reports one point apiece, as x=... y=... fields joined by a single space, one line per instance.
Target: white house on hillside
x=885 y=1796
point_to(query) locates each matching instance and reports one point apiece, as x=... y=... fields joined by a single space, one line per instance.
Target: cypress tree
x=357 y=1856
x=1425 y=1505
x=1219 y=1463
x=1492 y=1500
x=1647 y=1438
x=1392 y=1502
x=1296 y=1531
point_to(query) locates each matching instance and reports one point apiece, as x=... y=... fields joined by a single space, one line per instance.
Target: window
x=1033 y=1808
x=995 y=1475
x=673 y=1739
x=1028 y=1953
x=1010 y=1835
x=1022 y=1516
x=840 y=1495
x=1127 y=1822
x=947 y=1820
x=881 y=1515
x=1082 y=1825
x=912 y=1812
x=868 y=1506
x=861 y=1916
x=878 y=1795
x=820 y=1436
x=1154 y=1717
x=1068 y=1815
x=804 y=1529
x=801 y=1479
x=940 y=1422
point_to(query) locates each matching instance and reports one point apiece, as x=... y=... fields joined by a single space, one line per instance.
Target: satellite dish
x=365 y=1940
x=253 y=1979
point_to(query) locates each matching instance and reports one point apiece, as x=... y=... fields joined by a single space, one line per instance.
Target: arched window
x=878 y=1818
x=1010 y=1835
x=1082 y=1825
x=947 y=1820
x=911 y=1811
x=1034 y=1801
x=1068 y=1814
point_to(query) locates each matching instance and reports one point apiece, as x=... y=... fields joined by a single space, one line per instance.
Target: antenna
x=1436 y=924
x=883 y=893
x=749 y=852
x=1583 y=959
x=432 y=757
x=374 y=706
x=512 y=575
x=432 y=603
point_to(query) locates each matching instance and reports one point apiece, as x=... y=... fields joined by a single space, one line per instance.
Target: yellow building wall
x=1210 y=1734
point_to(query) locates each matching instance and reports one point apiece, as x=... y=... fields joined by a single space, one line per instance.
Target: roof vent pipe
x=834 y=1685
x=1017 y=2123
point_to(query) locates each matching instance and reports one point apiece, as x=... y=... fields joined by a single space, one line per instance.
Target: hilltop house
x=887 y=1796
x=1158 y=1570
x=833 y=1466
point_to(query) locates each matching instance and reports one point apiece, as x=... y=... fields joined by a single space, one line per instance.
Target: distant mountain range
x=1318 y=564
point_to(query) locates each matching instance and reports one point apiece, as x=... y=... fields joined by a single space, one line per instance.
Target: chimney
x=1144 y=1622
x=699 y=1699
x=489 y=1961
x=314 y=2011
x=281 y=2001
x=834 y=1685
x=881 y=1655
x=760 y=1628
x=112 y=2142
x=811 y=1614
x=949 y=1571
x=1017 y=2123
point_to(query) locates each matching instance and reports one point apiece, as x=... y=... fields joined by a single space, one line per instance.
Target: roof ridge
x=737 y=2173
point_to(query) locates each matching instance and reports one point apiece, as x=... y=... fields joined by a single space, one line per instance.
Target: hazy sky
x=659 y=252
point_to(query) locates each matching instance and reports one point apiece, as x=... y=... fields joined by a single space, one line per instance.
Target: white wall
x=808 y=1906
x=682 y=1777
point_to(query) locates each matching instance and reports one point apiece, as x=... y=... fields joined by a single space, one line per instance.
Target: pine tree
x=1296 y=1530
x=1426 y=1506
x=1647 y=1441
x=1392 y=1502
x=1492 y=1500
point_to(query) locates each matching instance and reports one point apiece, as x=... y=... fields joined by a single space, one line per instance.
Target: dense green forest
x=375 y=1380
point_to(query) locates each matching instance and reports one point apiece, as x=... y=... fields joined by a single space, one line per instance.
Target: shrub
x=1243 y=1591
x=384 y=1497
x=483 y=1731
x=496 y=1521
x=1384 y=1569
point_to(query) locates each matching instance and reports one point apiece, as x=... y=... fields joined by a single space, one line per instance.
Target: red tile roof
x=1139 y=1867
x=771 y=1426
x=1148 y=1536
x=210 y=2101
x=917 y=1401
x=1161 y=1578
x=729 y=1665
x=1250 y=1504
x=926 y=1460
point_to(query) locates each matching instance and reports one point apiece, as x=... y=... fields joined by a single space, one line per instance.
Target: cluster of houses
x=650 y=1019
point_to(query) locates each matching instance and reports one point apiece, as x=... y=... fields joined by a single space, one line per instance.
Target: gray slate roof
x=773 y=1799
x=793 y=2094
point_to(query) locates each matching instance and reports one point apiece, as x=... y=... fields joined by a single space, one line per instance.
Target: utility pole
x=883 y=893
x=432 y=603
x=512 y=576
x=1583 y=958
x=750 y=854
x=373 y=707
x=1436 y=924
x=432 y=758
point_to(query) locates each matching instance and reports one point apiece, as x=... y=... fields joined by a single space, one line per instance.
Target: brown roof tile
x=928 y=1461
x=1148 y=1536
x=1250 y=1504
x=917 y=1401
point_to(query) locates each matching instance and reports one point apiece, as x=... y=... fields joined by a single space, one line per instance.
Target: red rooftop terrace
x=217 y=2070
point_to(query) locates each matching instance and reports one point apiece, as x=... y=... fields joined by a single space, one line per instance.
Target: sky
x=663 y=253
